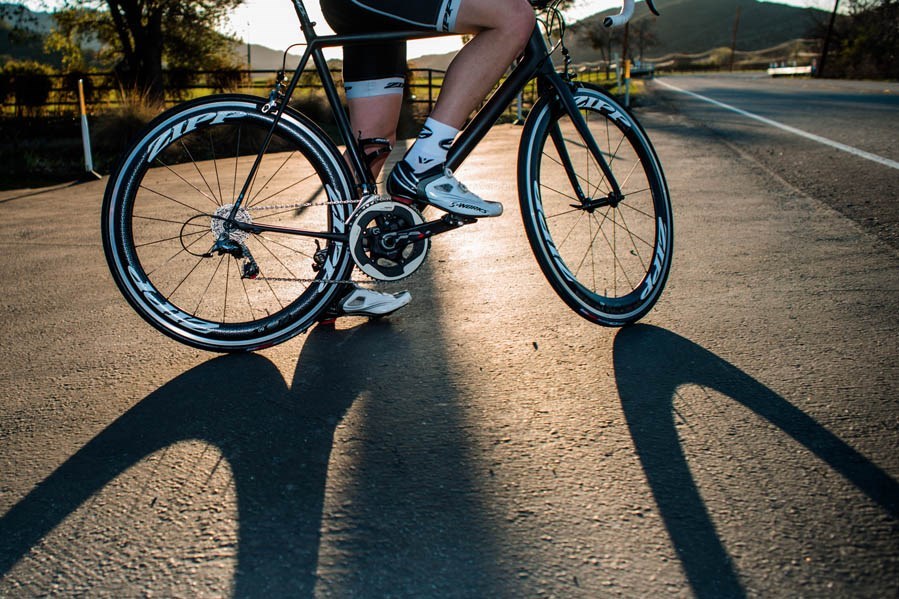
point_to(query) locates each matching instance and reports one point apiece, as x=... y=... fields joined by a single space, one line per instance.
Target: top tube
x=331 y=41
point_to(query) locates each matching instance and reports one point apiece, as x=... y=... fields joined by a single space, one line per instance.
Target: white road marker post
x=89 y=173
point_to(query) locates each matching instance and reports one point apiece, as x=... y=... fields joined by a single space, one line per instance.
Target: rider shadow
x=278 y=443
x=650 y=365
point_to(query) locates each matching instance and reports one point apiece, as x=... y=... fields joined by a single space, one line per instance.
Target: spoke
x=277 y=299
x=179 y=236
x=280 y=191
x=215 y=165
x=211 y=279
x=181 y=282
x=571 y=230
x=195 y=188
x=632 y=237
x=178 y=253
x=227 y=280
x=635 y=209
x=616 y=224
x=285 y=246
x=180 y=203
x=589 y=251
x=252 y=199
x=628 y=177
x=564 y=213
x=243 y=284
x=592 y=257
x=277 y=259
x=561 y=193
x=616 y=263
x=173 y=222
x=197 y=167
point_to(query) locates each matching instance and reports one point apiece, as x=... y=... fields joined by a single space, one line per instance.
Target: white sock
x=431 y=147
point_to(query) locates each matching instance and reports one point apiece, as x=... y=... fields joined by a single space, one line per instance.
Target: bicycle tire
x=609 y=264
x=166 y=200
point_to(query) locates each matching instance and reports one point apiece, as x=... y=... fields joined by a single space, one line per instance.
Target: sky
x=273 y=23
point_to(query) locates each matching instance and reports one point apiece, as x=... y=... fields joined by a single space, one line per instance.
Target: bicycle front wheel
x=176 y=255
x=608 y=260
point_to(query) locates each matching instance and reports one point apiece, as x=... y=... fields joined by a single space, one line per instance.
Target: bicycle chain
x=300 y=280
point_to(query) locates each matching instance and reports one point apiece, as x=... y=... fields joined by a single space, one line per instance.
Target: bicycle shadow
x=278 y=443
x=650 y=365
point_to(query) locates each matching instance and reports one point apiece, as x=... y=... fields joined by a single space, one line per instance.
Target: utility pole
x=833 y=18
x=733 y=40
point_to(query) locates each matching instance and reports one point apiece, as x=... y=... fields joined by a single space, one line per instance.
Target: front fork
x=564 y=92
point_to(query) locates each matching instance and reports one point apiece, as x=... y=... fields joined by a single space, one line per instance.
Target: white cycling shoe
x=438 y=187
x=368 y=302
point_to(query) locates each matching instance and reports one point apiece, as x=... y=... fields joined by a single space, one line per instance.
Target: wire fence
x=56 y=95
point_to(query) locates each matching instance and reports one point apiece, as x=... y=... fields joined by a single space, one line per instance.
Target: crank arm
x=447 y=222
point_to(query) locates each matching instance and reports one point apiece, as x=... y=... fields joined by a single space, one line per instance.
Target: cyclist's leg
x=373 y=81
x=375 y=117
x=501 y=29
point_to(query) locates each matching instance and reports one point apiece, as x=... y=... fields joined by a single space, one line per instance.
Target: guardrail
x=790 y=71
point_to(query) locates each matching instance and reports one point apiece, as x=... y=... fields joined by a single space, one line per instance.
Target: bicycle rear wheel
x=167 y=205
x=607 y=260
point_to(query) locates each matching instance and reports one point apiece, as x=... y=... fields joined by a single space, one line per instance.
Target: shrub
x=30 y=83
x=225 y=79
x=114 y=129
x=5 y=87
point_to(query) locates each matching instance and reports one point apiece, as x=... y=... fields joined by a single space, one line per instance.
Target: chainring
x=370 y=240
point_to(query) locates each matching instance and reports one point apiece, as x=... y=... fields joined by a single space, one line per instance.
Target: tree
x=146 y=34
x=645 y=35
x=865 y=42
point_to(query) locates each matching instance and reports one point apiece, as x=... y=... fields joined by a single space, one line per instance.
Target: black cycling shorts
x=380 y=68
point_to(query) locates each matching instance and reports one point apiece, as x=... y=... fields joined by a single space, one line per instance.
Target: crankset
x=379 y=243
x=389 y=240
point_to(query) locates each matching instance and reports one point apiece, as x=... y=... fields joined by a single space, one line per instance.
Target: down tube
x=478 y=127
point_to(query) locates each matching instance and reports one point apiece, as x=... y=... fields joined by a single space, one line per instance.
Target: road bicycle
x=234 y=222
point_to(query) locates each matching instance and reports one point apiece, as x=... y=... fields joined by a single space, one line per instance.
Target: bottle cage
x=374 y=148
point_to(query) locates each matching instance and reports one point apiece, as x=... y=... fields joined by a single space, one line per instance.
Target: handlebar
x=627 y=11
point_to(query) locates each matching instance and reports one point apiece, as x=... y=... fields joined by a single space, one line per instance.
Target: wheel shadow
x=278 y=441
x=650 y=365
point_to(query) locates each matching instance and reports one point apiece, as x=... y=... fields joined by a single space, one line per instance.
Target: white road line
x=794 y=130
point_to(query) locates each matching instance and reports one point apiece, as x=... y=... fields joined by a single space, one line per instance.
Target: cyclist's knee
x=521 y=21
x=515 y=18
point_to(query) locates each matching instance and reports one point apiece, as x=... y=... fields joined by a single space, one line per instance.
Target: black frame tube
x=535 y=62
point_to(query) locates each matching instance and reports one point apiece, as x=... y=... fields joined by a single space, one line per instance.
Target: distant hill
x=22 y=34
x=690 y=27
x=695 y=26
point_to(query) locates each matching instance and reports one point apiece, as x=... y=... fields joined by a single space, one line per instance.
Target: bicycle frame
x=535 y=62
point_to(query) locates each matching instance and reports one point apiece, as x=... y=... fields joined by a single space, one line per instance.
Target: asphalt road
x=485 y=441
x=861 y=115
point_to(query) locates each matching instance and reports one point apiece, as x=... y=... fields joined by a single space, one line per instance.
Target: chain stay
x=297 y=207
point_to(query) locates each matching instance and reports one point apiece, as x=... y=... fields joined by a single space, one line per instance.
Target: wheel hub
x=223 y=228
